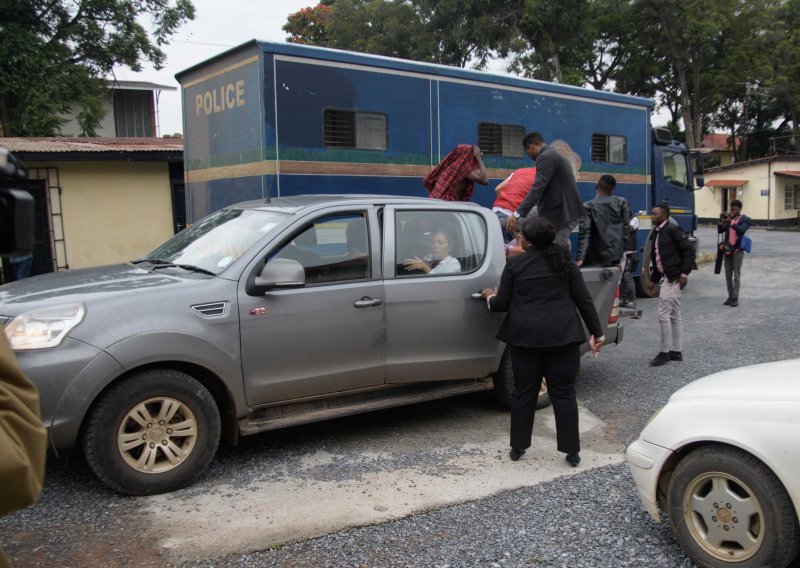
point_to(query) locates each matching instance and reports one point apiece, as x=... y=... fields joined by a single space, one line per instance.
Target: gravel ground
x=593 y=518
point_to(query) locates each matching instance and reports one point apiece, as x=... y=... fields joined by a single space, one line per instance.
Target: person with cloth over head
x=455 y=177
x=540 y=290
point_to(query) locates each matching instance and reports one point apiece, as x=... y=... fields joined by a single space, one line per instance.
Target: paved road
x=431 y=485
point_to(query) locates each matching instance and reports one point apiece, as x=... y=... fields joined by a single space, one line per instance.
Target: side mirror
x=699 y=181
x=278 y=273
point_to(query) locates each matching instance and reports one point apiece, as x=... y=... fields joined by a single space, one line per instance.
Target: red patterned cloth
x=455 y=167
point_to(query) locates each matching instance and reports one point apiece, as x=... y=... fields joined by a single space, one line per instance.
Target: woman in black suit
x=540 y=290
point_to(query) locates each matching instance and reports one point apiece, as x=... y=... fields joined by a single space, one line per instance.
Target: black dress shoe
x=727 y=302
x=734 y=303
x=515 y=454
x=574 y=459
x=675 y=356
x=660 y=359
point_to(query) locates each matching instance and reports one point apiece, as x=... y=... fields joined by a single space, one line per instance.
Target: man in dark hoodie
x=603 y=226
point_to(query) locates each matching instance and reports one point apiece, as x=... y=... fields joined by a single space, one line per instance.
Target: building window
x=133 y=113
x=792 y=197
x=609 y=148
x=351 y=129
x=501 y=139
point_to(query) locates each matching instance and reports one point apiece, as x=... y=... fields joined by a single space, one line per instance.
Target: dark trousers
x=560 y=366
x=733 y=271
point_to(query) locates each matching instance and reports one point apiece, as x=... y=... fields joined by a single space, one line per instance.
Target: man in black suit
x=554 y=192
x=672 y=259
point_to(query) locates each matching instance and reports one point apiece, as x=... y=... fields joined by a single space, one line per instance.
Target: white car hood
x=774 y=381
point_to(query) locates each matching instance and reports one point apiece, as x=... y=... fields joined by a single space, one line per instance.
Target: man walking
x=672 y=259
x=554 y=192
x=603 y=226
x=733 y=225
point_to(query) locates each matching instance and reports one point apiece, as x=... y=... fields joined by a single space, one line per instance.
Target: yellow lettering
x=217 y=108
x=225 y=97
x=229 y=100
x=240 y=93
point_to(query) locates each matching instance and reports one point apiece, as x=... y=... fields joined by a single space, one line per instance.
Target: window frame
x=327 y=217
x=509 y=146
x=354 y=115
x=607 y=150
x=791 y=196
x=457 y=228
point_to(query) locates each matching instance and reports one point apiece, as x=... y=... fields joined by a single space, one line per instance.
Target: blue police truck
x=278 y=119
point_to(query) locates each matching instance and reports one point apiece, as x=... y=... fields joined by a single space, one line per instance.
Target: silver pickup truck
x=265 y=315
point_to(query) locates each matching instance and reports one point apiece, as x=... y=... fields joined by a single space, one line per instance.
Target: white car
x=722 y=458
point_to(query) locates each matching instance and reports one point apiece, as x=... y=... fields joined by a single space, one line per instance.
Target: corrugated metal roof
x=139 y=85
x=85 y=144
x=720 y=142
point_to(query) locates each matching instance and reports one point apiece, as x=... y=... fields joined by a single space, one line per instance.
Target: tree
x=55 y=54
x=309 y=25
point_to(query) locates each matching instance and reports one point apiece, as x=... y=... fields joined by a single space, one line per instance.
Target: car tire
x=728 y=509
x=154 y=432
x=503 y=381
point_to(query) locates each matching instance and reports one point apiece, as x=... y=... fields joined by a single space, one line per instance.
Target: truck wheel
x=643 y=280
x=728 y=509
x=152 y=433
x=504 y=384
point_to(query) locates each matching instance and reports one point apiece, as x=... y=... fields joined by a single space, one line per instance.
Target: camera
x=724 y=216
x=16 y=208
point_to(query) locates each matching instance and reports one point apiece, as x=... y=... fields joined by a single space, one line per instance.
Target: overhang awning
x=788 y=173
x=726 y=182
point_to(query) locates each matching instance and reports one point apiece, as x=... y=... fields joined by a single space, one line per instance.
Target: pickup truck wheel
x=152 y=433
x=728 y=509
x=504 y=384
x=643 y=280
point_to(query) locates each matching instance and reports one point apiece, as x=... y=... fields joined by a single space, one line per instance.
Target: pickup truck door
x=436 y=330
x=330 y=335
x=602 y=285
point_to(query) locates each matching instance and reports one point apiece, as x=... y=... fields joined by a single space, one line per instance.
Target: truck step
x=275 y=417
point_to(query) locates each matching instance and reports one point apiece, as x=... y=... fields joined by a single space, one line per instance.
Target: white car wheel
x=728 y=508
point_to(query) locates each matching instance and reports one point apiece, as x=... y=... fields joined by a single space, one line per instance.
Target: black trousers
x=560 y=366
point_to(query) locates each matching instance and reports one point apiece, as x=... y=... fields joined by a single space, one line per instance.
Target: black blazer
x=541 y=306
x=677 y=253
x=554 y=191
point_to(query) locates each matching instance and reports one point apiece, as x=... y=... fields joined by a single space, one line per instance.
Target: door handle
x=477 y=296
x=367 y=302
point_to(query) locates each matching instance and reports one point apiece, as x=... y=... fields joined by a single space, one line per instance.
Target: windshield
x=675 y=170
x=218 y=240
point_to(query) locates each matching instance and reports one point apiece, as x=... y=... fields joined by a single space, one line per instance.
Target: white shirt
x=447 y=265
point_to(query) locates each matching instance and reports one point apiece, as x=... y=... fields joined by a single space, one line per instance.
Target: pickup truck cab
x=260 y=316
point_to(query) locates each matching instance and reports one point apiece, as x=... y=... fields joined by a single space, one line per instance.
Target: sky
x=218 y=26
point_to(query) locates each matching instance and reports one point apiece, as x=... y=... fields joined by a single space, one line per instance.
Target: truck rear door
x=602 y=284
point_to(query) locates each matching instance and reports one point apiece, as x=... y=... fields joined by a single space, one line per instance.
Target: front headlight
x=45 y=327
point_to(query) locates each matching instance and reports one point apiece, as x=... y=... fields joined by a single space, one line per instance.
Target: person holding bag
x=732 y=228
x=541 y=289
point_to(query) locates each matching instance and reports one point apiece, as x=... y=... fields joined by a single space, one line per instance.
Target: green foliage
x=724 y=64
x=55 y=53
